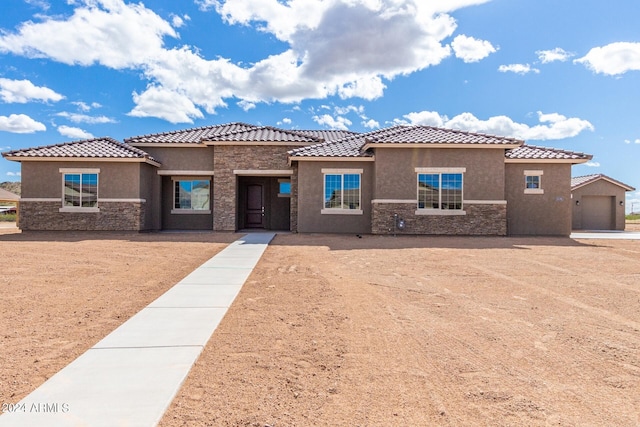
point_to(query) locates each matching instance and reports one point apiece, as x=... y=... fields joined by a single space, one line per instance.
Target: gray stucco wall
x=600 y=187
x=310 y=198
x=539 y=214
x=150 y=191
x=182 y=221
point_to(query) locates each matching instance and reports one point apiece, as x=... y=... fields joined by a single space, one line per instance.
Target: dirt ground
x=64 y=292
x=340 y=330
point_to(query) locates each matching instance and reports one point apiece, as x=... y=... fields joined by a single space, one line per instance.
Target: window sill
x=190 y=212
x=341 y=211
x=441 y=212
x=533 y=191
x=284 y=195
x=78 y=209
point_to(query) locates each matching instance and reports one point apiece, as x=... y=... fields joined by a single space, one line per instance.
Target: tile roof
x=327 y=135
x=346 y=147
x=432 y=135
x=352 y=146
x=266 y=134
x=190 y=136
x=6 y=196
x=579 y=181
x=532 y=152
x=88 y=148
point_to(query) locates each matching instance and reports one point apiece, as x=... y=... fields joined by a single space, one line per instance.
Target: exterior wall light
x=577 y=202
x=621 y=202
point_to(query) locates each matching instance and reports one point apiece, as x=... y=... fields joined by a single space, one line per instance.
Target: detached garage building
x=598 y=202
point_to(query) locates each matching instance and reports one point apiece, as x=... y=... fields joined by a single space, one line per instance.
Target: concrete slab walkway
x=131 y=376
x=615 y=235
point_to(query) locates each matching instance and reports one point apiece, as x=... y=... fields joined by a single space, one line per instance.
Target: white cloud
x=73 y=132
x=106 y=32
x=39 y=3
x=23 y=91
x=177 y=21
x=14 y=174
x=592 y=164
x=553 y=126
x=613 y=59
x=371 y=124
x=84 y=118
x=521 y=69
x=164 y=104
x=339 y=123
x=246 y=105
x=20 y=123
x=557 y=54
x=286 y=121
x=327 y=53
x=470 y=49
x=84 y=107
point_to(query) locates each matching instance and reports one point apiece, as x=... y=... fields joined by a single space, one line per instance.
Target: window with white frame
x=440 y=188
x=192 y=195
x=342 y=191
x=533 y=182
x=80 y=188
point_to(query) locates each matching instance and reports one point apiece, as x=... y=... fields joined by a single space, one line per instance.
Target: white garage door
x=598 y=212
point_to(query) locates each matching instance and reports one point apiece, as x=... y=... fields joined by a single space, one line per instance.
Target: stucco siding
x=602 y=188
x=396 y=177
x=183 y=158
x=310 y=199
x=150 y=192
x=548 y=213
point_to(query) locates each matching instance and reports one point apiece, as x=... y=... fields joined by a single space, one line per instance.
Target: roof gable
x=581 y=181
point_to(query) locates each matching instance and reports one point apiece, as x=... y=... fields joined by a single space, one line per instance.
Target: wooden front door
x=254 y=206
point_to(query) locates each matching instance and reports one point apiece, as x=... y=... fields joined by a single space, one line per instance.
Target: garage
x=598 y=212
x=598 y=202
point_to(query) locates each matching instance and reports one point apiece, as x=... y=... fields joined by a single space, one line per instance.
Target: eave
x=83 y=159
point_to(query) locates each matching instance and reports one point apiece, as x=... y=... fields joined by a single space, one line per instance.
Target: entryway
x=262 y=204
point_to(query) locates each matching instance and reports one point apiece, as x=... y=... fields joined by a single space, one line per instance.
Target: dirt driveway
x=342 y=331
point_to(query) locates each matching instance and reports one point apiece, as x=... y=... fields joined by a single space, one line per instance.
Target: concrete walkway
x=132 y=375
x=615 y=235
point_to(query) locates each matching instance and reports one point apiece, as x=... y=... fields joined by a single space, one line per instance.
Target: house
x=239 y=176
x=598 y=202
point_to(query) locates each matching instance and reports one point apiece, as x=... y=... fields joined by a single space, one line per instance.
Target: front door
x=254 y=206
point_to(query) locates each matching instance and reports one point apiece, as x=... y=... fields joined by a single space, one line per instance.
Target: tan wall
x=150 y=191
x=396 y=177
x=117 y=180
x=539 y=214
x=183 y=158
x=599 y=188
x=310 y=198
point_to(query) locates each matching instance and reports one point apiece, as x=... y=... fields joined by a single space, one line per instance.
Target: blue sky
x=563 y=74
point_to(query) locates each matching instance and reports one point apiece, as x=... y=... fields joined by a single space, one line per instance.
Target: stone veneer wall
x=113 y=216
x=226 y=158
x=480 y=220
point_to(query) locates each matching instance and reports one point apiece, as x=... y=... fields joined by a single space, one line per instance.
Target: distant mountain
x=13 y=187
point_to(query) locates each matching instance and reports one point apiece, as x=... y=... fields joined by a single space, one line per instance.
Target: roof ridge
x=197 y=128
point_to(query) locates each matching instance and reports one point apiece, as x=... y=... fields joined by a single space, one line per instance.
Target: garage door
x=598 y=212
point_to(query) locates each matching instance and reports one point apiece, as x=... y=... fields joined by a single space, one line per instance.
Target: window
x=192 y=195
x=80 y=190
x=441 y=191
x=284 y=188
x=342 y=191
x=533 y=182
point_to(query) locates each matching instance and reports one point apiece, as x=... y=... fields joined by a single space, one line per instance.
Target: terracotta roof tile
x=532 y=152
x=88 y=148
x=266 y=134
